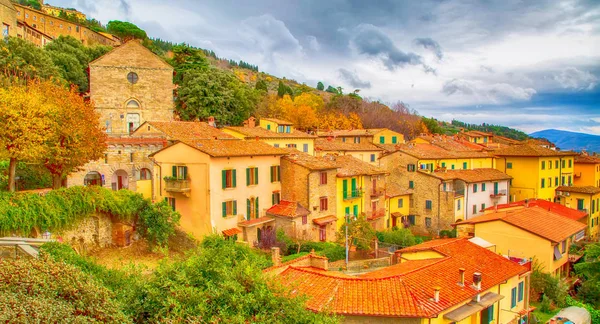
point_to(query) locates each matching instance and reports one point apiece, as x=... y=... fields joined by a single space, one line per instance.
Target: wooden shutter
x=234 y=178
x=248 y=209
x=247 y=176
x=272 y=199
x=224 y=209
x=185 y=171
x=255 y=175
x=345 y=188
x=174 y=169
x=235 y=207
x=272 y=177
x=224 y=178
x=256 y=207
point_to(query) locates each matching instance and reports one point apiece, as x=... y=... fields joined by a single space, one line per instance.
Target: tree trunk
x=12 y=171
x=56 y=181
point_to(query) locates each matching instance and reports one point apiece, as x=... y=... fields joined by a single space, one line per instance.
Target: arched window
x=145 y=174
x=132 y=104
x=92 y=179
x=132 y=77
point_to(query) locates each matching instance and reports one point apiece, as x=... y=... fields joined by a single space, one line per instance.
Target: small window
x=288 y=129
x=509 y=165
x=543 y=183
x=179 y=172
x=280 y=129
x=570 y=163
x=474 y=209
x=400 y=202
x=474 y=188
x=458 y=205
x=305 y=148
x=229 y=208
x=465 y=165
x=427 y=222
x=563 y=248
x=411 y=168
x=291 y=146
x=556 y=164
x=394 y=140
x=521 y=291
x=372 y=157
x=170 y=201
x=304 y=219
x=276 y=197
x=381 y=139
x=251 y=176
x=411 y=184
x=428 y=204
x=482 y=206
x=513 y=297
x=550 y=164
x=357 y=139
x=275 y=173
x=543 y=165
x=132 y=104
x=145 y=174
x=132 y=77
x=130 y=157
x=323 y=203
x=275 y=145
x=323 y=178
x=228 y=178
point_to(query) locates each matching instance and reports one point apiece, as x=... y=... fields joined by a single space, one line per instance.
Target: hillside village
x=367 y=224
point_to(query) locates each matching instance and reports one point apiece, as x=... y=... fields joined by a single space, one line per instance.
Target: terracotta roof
x=475 y=133
x=288 y=209
x=322 y=144
x=349 y=166
x=256 y=221
x=530 y=150
x=180 y=130
x=506 y=140
x=545 y=204
x=430 y=151
x=252 y=132
x=351 y=132
x=393 y=189
x=580 y=189
x=278 y=121
x=472 y=176
x=227 y=148
x=325 y=220
x=405 y=290
x=136 y=141
x=536 y=220
x=232 y=231
x=587 y=159
x=311 y=162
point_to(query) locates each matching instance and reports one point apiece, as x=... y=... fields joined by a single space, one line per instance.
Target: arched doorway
x=120 y=180
x=145 y=174
x=92 y=179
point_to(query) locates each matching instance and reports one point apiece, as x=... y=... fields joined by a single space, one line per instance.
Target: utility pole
x=347 y=241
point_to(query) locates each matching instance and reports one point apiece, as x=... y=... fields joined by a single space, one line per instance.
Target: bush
x=398 y=236
x=594 y=312
x=551 y=287
x=545 y=305
x=333 y=252
x=293 y=256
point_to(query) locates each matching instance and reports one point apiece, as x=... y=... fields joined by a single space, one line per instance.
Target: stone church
x=128 y=86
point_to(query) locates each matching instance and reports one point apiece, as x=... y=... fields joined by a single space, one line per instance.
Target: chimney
x=211 y=121
x=275 y=256
x=257 y=138
x=526 y=203
x=251 y=122
x=477 y=280
x=461 y=273
x=436 y=293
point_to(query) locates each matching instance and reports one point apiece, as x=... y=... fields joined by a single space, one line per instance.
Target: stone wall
x=93 y=232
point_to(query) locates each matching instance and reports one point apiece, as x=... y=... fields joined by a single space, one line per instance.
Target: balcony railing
x=460 y=192
x=352 y=194
x=498 y=193
x=376 y=192
x=177 y=185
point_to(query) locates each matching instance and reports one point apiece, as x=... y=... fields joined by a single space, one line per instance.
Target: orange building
x=587 y=171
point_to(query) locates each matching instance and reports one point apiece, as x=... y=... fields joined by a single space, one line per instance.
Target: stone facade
x=129 y=86
x=32 y=35
x=93 y=232
x=8 y=19
x=54 y=26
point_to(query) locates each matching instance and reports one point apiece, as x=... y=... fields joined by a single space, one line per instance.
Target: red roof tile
x=288 y=209
x=252 y=132
x=256 y=221
x=547 y=205
x=180 y=130
x=325 y=220
x=231 y=231
x=404 y=290
x=472 y=176
x=580 y=189
x=332 y=145
x=530 y=150
x=587 y=159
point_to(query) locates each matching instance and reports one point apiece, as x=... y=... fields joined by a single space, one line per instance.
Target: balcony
x=375 y=214
x=352 y=194
x=177 y=185
x=376 y=192
x=498 y=193
x=460 y=192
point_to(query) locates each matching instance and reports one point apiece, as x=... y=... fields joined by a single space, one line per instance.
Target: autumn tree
x=26 y=122
x=360 y=232
x=74 y=137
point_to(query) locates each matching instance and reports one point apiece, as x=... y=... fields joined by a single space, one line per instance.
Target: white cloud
x=486 y=92
x=573 y=78
x=313 y=43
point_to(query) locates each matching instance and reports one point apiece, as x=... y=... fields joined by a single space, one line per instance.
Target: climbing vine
x=64 y=208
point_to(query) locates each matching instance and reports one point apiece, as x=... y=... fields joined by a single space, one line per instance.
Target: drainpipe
x=439 y=207
x=159 y=178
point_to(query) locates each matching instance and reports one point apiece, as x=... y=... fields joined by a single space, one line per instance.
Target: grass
x=541 y=316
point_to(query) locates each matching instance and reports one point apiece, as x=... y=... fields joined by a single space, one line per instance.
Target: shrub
x=293 y=256
x=545 y=305
x=551 y=287
x=594 y=312
x=398 y=236
x=333 y=252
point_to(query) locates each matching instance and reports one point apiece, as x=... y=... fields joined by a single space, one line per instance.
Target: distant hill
x=566 y=140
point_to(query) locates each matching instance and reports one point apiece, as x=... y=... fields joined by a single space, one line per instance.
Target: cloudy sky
x=526 y=64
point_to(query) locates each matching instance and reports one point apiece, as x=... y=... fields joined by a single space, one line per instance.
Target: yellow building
x=477 y=137
x=55 y=11
x=530 y=233
x=587 y=171
x=438 y=282
x=220 y=186
x=369 y=135
x=397 y=202
x=583 y=198
x=275 y=132
x=536 y=171
x=430 y=157
x=364 y=151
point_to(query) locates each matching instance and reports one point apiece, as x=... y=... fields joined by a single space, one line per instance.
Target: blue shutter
x=521 y=287
x=490 y=313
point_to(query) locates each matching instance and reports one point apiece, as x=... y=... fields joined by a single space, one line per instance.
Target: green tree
x=320 y=86
x=21 y=60
x=432 y=125
x=261 y=85
x=283 y=89
x=30 y=176
x=398 y=236
x=186 y=60
x=589 y=270
x=35 y=4
x=125 y=30
x=214 y=92
x=333 y=90
x=360 y=233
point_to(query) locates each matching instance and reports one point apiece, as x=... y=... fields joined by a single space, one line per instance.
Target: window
x=550 y=164
x=563 y=247
x=474 y=188
x=26 y=15
x=543 y=165
x=275 y=145
x=343 y=139
x=304 y=219
x=570 y=163
x=305 y=148
x=482 y=206
x=275 y=173
x=5 y=29
x=291 y=146
x=411 y=168
x=427 y=222
x=229 y=208
x=400 y=202
x=570 y=182
x=563 y=181
x=549 y=182
x=428 y=204
x=251 y=176
x=372 y=157
x=268 y=126
x=556 y=181
x=412 y=220
x=60 y=26
x=323 y=178
x=179 y=172
x=464 y=165
x=69 y=28
x=77 y=28
x=288 y=129
x=130 y=157
x=145 y=174
x=105 y=158
x=411 y=184
x=543 y=183
x=513 y=297
x=445 y=187
x=132 y=77
x=458 y=205
x=563 y=163
x=474 y=209
x=229 y=178
x=453 y=167
x=170 y=201
x=509 y=165
x=483 y=187
x=276 y=197
x=521 y=290
x=556 y=164
x=51 y=22
x=443 y=164
x=280 y=129
x=323 y=203
x=394 y=140
x=381 y=139
x=356 y=139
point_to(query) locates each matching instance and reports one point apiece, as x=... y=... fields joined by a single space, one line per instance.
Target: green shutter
x=491 y=313
x=255 y=175
x=235 y=207
x=234 y=176
x=174 y=169
x=248 y=209
x=166 y=200
x=273 y=199
x=185 y=172
x=394 y=140
x=353 y=186
x=173 y=204
x=224 y=209
x=224 y=178
x=278 y=173
x=382 y=139
x=256 y=207
x=347 y=210
x=272 y=177
x=355 y=210
x=345 y=188
x=247 y=176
